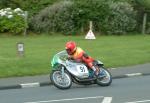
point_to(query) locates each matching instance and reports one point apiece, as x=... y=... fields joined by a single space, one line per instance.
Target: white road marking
x=107 y=100
x=133 y=74
x=71 y=99
x=113 y=68
x=26 y=85
x=144 y=101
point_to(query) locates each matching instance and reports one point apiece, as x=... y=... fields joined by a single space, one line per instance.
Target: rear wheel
x=105 y=79
x=61 y=81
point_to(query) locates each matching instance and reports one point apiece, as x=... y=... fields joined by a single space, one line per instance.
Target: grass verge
x=114 y=51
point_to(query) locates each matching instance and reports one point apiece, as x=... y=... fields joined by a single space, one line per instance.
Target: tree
x=144 y=3
x=144 y=6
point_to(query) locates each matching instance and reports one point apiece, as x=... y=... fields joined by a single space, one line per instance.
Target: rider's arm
x=85 y=55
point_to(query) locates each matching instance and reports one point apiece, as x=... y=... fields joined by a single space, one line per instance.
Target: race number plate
x=82 y=69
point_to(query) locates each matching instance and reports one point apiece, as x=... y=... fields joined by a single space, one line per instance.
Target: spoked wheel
x=105 y=78
x=61 y=81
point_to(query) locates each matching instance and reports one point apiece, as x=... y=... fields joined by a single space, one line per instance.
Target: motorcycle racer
x=76 y=53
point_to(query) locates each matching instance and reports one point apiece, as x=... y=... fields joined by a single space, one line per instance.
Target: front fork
x=62 y=71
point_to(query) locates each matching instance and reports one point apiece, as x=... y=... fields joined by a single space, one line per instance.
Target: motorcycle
x=65 y=71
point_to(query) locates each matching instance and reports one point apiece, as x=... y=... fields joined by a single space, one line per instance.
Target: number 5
x=82 y=69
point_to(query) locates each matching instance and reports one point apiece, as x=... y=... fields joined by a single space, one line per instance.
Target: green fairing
x=54 y=62
x=90 y=72
x=58 y=59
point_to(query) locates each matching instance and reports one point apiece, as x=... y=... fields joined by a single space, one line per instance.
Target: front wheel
x=61 y=81
x=105 y=78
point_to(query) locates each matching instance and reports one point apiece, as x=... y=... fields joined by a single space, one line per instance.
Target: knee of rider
x=90 y=65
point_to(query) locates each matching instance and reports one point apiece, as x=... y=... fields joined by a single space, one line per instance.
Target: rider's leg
x=96 y=70
x=89 y=61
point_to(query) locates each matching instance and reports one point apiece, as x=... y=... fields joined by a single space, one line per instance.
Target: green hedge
x=12 y=21
x=32 y=6
x=144 y=3
x=55 y=18
x=122 y=18
x=72 y=17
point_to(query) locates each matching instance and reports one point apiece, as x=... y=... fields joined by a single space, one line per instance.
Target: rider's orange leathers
x=81 y=56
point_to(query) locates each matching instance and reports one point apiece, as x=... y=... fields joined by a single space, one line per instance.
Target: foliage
x=122 y=18
x=108 y=16
x=90 y=10
x=55 y=18
x=71 y=17
x=12 y=20
x=148 y=28
x=32 y=6
x=144 y=3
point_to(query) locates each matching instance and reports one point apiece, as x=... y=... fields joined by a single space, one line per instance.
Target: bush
x=69 y=17
x=12 y=20
x=90 y=10
x=108 y=16
x=73 y=16
x=32 y=6
x=55 y=18
x=122 y=18
x=144 y=3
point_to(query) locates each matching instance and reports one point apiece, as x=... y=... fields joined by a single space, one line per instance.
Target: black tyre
x=106 y=80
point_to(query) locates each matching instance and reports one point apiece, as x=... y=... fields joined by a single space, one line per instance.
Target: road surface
x=125 y=90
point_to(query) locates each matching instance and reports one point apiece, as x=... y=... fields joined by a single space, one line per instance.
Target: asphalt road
x=125 y=90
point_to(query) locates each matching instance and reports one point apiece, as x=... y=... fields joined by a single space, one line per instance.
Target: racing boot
x=96 y=71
